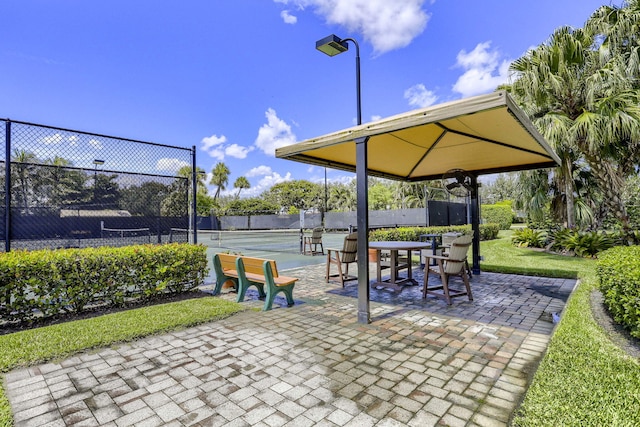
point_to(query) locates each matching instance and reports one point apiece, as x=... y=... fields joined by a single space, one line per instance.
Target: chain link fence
x=65 y=188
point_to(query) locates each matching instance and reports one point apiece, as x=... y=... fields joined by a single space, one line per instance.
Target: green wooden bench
x=247 y=271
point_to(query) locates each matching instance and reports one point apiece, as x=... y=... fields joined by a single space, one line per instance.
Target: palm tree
x=341 y=198
x=585 y=106
x=185 y=172
x=220 y=178
x=241 y=183
x=25 y=175
x=533 y=194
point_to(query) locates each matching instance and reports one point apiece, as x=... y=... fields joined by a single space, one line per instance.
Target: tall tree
x=242 y=183
x=204 y=203
x=145 y=199
x=24 y=177
x=584 y=104
x=297 y=194
x=220 y=178
x=342 y=197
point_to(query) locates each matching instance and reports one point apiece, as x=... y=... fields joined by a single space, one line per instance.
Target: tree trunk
x=568 y=192
x=611 y=182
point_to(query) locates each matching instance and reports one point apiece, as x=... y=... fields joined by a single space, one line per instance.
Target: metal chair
x=343 y=257
x=313 y=241
x=446 y=266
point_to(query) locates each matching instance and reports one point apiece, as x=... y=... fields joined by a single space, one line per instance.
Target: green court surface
x=284 y=260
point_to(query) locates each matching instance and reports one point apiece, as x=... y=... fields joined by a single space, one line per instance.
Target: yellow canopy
x=483 y=134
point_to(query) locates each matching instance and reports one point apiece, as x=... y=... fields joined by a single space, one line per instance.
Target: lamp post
x=96 y=162
x=333 y=45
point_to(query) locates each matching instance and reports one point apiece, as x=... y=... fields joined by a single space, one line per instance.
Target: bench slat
x=255 y=265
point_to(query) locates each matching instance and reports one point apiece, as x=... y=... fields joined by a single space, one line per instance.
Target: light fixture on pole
x=333 y=45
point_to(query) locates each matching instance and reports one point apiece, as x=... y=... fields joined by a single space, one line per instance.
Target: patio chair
x=342 y=258
x=452 y=264
x=313 y=241
x=447 y=239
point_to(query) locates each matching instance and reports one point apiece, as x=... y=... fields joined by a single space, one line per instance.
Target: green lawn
x=583 y=379
x=38 y=345
x=500 y=256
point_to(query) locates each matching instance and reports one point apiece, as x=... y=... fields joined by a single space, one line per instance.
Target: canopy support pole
x=362 y=215
x=475 y=225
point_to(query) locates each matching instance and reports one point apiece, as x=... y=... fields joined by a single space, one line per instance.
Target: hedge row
x=618 y=271
x=487 y=232
x=47 y=283
x=500 y=214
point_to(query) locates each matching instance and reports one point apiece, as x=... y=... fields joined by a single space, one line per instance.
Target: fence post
x=194 y=192
x=7 y=187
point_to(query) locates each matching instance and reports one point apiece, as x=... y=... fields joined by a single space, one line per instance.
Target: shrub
x=500 y=214
x=46 y=283
x=527 y=237
x=618 y=271
x=581 y=243
x=487 y=232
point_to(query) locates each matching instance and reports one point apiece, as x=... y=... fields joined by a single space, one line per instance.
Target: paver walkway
x=419 y=363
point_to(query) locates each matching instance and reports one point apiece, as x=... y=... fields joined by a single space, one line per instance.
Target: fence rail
x=59 y=185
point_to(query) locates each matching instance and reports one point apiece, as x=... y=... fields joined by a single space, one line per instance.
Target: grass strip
x=584 y=379
x=61 y=340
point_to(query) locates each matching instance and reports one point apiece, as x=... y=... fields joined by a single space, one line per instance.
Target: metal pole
x=194 y=192
x=475 y=225
x=364 y=312
x=358 y=97
x=362 y=179
x=324 y=212
x=95 y=183
x=7 y=187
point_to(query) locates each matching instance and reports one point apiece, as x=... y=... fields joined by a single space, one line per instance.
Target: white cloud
x=95 y=144
x=375 y=118
x=485 y=71
x=237 y=151
x=419 y=96
x=56 y=138
x=274 y=134
x=170 y=165
x=288 y=18
x=217 y=147
x=265 y=183
x=259 y=171
x=387 y=25
x=212 y=145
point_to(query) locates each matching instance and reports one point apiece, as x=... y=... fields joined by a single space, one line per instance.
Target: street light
x=333 y=45
x=96 y=163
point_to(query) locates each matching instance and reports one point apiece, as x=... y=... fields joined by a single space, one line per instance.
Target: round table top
x=399 y=245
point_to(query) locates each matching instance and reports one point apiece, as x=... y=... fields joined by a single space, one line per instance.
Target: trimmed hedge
x=618 y=271
x=500 y=214
x=47 y=283
x=487 y=232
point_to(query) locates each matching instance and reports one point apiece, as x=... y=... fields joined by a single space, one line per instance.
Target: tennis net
x=127 y=235
x=288 y=240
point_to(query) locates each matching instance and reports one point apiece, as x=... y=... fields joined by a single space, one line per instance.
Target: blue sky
x=238 y=78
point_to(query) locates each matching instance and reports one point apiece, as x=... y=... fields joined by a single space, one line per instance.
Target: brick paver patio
x=419 y=363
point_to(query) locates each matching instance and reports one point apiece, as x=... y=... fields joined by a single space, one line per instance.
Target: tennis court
x=283 y=246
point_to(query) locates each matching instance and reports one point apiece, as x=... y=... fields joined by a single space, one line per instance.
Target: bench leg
x=271 y=295
x=242 y=290
x=220 y=281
